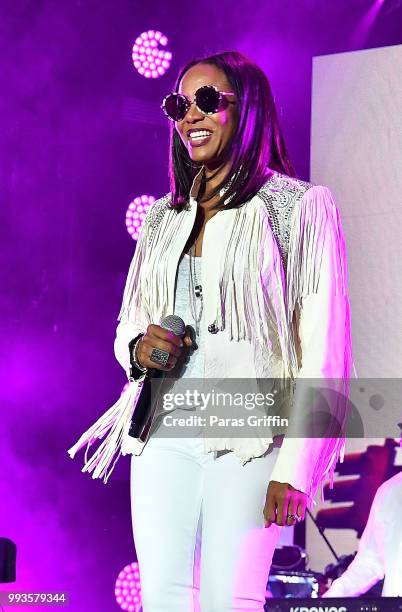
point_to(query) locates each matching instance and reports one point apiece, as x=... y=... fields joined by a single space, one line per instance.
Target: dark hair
x=257 y=142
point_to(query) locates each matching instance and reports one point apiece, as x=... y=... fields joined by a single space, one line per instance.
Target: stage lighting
x=128 y=588
x=136 y=213
x=149 y=60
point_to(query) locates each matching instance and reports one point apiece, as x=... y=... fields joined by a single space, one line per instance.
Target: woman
x=270 y=300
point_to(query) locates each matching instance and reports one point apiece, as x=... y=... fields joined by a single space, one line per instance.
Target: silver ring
x=294 y=517
x=159 y=356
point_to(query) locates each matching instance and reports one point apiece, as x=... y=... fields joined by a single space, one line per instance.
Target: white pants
x=199 y=528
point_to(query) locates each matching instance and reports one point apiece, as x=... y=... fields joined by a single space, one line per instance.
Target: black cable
x=321 y=531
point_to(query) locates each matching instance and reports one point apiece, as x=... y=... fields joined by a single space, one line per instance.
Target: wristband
x=136 y=369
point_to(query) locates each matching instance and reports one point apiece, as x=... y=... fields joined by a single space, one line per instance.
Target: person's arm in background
x=316 y=255
x=367 y=568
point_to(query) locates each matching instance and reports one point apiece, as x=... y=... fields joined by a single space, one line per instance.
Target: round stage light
x=149 y=60
x=128 y=588
x=136 y=213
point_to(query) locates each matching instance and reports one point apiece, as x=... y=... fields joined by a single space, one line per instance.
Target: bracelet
x=134 y=353
x=136 y=369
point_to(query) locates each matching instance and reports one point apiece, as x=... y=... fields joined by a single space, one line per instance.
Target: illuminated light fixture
x=136 y=213
x=365 y=24
x=128 y=588
x=150 y=60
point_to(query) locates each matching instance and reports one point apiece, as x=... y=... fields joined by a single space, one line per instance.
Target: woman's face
x=221 y=124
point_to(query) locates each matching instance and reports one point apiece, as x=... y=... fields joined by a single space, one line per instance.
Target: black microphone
x=143 y=407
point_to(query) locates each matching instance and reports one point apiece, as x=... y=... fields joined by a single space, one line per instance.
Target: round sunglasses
x=208 y=99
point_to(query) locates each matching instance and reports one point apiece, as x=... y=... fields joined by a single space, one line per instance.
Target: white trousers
x=198 y=527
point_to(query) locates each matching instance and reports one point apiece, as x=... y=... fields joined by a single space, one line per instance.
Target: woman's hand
x=158 y=337
x=283 y=499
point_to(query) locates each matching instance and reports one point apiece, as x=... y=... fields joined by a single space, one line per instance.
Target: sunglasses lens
x=207 y=99
x=175 y=106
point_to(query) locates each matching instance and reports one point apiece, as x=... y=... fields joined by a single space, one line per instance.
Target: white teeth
x=199 y=135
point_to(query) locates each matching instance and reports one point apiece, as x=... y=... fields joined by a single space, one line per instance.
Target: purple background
x=76 y=148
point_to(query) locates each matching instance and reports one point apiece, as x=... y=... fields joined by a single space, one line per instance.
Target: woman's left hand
x=282 y=500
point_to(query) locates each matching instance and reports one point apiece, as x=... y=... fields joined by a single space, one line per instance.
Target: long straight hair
x=256 y=145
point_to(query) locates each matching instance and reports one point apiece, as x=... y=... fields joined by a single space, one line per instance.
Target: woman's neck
x=206 y=201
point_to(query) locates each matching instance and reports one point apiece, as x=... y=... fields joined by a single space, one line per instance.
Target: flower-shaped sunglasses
x=208 y=99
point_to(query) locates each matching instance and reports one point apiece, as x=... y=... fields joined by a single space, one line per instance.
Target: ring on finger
x=159 y=356
x=294 y=517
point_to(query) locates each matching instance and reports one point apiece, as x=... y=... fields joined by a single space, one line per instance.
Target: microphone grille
x=174 y=324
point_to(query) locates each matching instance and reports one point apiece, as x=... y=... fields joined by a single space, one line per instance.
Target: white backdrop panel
x=356 y=150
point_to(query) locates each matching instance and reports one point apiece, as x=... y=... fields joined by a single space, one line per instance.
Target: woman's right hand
x=158 y=337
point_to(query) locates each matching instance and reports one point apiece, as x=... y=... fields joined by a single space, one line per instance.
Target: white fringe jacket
x=275 y=305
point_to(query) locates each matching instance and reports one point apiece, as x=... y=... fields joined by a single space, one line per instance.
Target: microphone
x=142 y=409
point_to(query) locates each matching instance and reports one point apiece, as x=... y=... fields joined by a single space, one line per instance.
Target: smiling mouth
x=200 y=137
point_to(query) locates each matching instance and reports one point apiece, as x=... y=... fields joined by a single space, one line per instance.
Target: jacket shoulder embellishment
x=157 y=213
x=280 y=195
